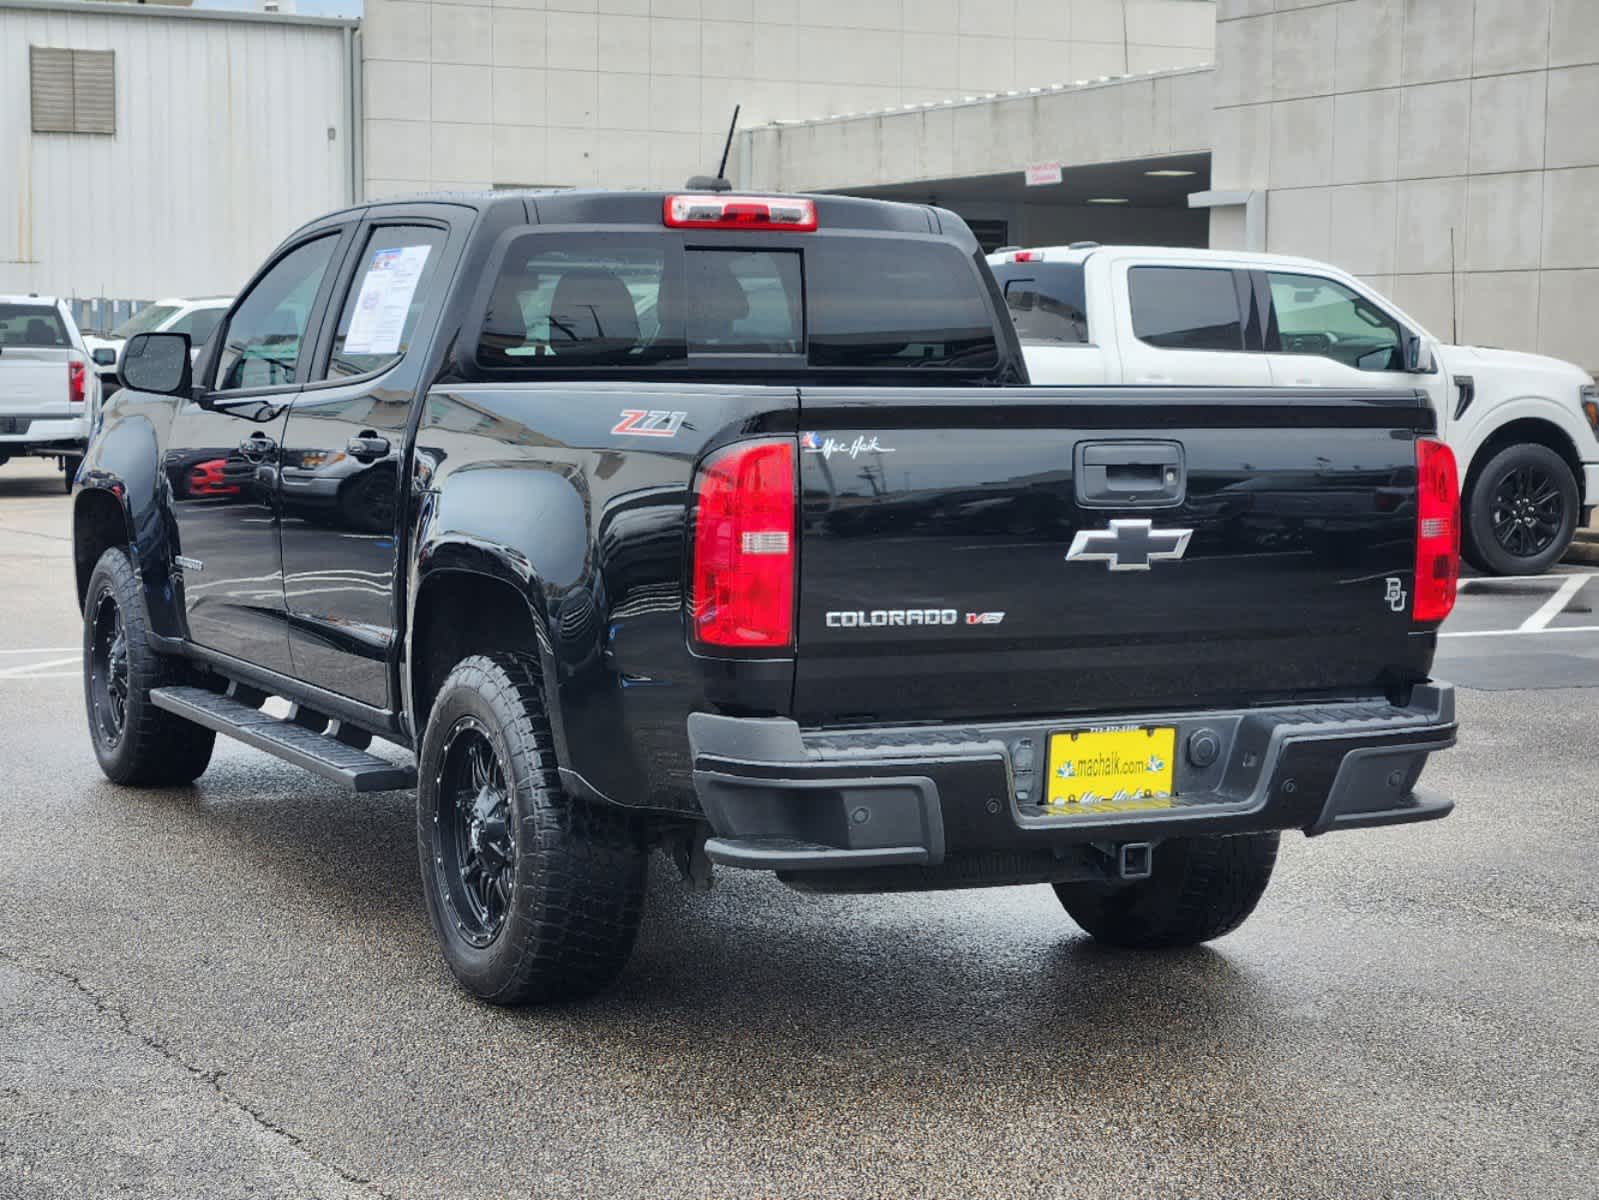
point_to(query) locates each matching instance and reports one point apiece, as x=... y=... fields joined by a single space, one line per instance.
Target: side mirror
x=1418 y=355
x=157 y=362
x=105 y=356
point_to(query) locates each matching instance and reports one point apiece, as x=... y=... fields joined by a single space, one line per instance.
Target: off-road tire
x=1480 y=547
x=579 y=867
x=155 y=748
x=1199 y=889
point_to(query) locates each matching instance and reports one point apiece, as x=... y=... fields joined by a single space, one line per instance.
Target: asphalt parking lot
x=232 y=990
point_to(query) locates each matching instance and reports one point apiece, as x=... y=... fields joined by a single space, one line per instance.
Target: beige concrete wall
x=1078 y=125
x=639 y=92
x=1378 y=126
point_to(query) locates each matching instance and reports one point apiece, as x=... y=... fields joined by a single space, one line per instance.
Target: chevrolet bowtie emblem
x=1128 y=545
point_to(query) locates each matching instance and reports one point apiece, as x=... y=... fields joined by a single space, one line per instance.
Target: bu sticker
x=654 y=422
x=1396 y=594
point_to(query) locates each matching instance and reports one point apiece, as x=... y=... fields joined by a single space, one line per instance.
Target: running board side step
x=288 y=740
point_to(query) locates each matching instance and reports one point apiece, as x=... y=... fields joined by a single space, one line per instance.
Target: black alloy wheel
x=474 y=841
x=1528 y=510
x=108 y=669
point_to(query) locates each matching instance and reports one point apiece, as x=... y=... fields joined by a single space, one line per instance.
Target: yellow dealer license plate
x=1111 y=770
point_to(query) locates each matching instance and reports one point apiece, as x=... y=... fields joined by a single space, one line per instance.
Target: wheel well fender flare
x=1529 y=419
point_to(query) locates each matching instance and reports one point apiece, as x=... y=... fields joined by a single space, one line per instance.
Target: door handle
x=257 y=446
x=1129 y=474
x=367 y=446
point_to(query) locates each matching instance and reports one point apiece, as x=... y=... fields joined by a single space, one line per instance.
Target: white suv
x=1524 y=428
x=197 y=318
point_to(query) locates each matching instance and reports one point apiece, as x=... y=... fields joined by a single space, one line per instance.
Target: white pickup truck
x=1524 y=428
x=49 y=392
x=196 y=317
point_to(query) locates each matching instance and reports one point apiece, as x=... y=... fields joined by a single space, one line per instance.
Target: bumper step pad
x=293 y=743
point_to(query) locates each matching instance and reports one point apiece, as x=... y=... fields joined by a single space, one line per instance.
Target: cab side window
x=1186 y=308
x=265 y=335
x=1321 y=317
x=199 y=324
x=385 y=299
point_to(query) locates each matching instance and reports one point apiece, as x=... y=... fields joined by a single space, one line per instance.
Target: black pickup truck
x=728 y=525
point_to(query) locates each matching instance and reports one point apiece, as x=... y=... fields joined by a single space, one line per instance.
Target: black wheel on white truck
x=1520 y=511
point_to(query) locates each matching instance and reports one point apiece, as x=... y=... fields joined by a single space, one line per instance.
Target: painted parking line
x=1479 y=633
x=44 y=650
x=1555 y=605
x=29 y=670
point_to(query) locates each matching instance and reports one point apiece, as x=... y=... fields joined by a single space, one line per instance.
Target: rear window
x=564 y=301
x=633 y=300
x=32 y=325
x=1046 y=302
x=892 y=303
x=1186 y=308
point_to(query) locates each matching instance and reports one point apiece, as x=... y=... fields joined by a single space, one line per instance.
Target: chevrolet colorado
x=725 y=524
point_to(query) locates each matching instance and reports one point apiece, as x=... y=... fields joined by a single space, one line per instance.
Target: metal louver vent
x=72 y=91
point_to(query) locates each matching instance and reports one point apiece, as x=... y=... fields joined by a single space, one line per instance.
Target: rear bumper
x=791 y=800
x=24 y=433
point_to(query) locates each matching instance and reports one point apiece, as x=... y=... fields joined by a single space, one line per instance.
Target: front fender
x=1494 y=413
x=123 y=461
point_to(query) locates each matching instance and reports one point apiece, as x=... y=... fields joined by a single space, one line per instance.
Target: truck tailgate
x=1263 y=548
x=33 y=382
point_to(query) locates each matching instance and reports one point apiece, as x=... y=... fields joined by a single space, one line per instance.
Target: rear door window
x=32 y=325
x=1186 y=308
x=1047 y=304
x=385 y=299
x=889 y=302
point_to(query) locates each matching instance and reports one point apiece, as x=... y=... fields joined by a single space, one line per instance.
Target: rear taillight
x=743 y=574
x=1437 y=531
x=1025 y=256
x=77 y=385
x=792 y=213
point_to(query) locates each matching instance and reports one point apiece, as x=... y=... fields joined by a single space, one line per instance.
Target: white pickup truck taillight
x=77 y=382
x=743 y=554
x=1437 y=531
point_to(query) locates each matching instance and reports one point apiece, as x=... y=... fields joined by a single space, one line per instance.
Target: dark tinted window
x=896 y=303
x=385 y=299
x=198 y=324
x=1046 y=302
x=744 y=302
x=1185 y=308
x=564 y=301
x=264 y=337
x=32 y=325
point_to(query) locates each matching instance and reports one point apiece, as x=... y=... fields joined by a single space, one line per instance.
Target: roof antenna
x=1454 y=300
x=718 y=182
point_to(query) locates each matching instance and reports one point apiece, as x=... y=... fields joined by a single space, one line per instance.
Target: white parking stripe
x=29 y=668
x=1555 y=605
x=1473 y=633
x=1486 y=582
x=42 y=650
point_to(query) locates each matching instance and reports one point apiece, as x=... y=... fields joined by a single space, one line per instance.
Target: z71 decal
x=655 y=422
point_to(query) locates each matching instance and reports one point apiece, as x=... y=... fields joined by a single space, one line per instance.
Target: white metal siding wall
x=221 y=148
